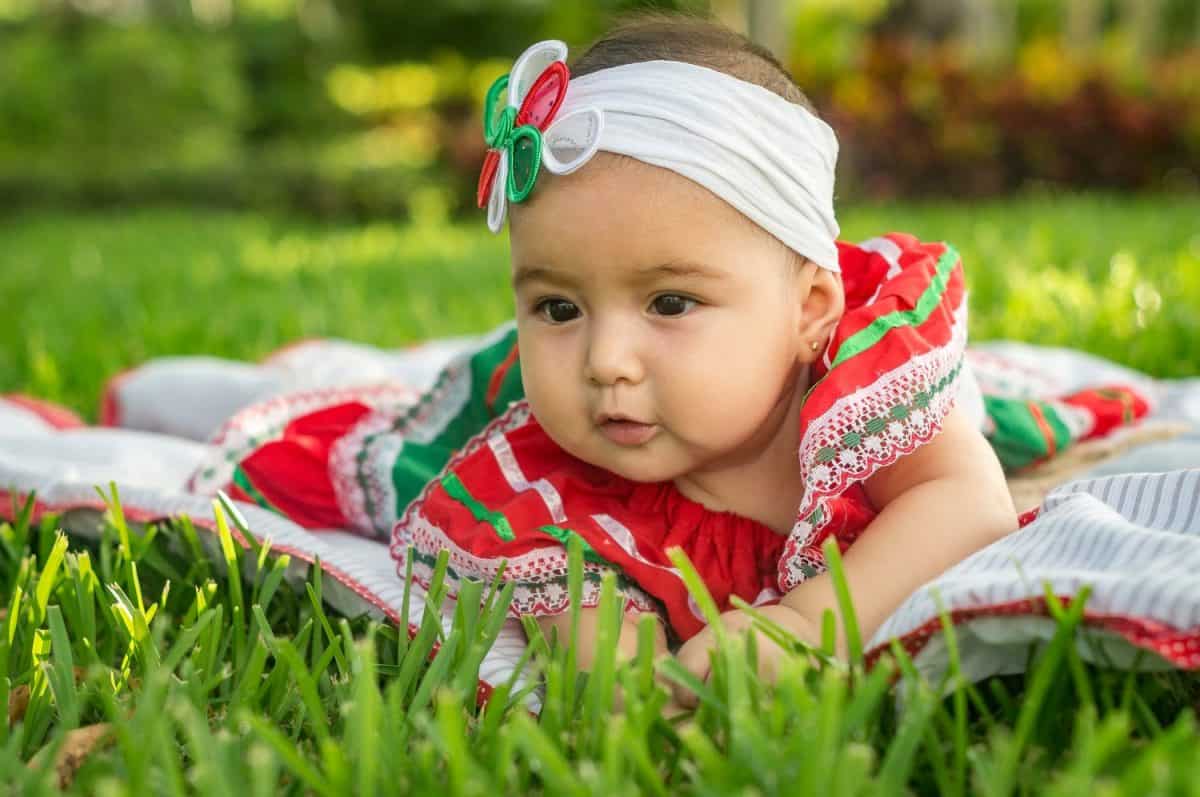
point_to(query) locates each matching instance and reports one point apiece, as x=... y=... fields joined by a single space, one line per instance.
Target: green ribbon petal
x=524 y=143
x=524 y=161
x=493 y=109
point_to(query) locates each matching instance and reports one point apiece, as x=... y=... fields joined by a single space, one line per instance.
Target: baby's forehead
x=618 y=188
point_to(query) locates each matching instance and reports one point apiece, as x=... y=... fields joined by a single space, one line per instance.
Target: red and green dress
x=465 y=467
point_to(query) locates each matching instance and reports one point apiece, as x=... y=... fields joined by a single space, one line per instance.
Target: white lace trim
x=875 y=449
x=352 y=495
x=540 y=576
x=264 y=422
x=361 y=462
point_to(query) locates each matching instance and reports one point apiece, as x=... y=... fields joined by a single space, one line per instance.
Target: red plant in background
x=917 y=120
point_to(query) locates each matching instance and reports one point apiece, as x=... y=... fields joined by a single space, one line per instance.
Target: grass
x=85 y=296
x=202 y=683
x=210 y=683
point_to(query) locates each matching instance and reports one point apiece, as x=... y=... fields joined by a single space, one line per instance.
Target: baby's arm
x=936 y=506
x=589 y=618
x=627 y=643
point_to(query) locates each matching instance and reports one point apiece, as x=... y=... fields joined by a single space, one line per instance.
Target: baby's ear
x=822 y=303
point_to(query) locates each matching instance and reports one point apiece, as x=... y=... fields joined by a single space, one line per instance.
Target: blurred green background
x=223 y=176
x=368 y=108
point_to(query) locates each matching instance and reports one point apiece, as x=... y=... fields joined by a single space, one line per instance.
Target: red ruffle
x=56 y=415
x=732 y=554
x=291 y=474
x=1110 y=407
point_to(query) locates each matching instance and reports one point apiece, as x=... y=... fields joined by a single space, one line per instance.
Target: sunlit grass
x=85 y=295
x=161 y=674
x=194 y=681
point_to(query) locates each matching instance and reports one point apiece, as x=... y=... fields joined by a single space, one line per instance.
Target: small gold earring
x=814 y=345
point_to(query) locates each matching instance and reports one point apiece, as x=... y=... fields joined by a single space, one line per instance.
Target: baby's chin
x=636 y=464
x=644 y=463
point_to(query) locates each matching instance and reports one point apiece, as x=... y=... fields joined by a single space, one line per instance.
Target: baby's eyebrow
x=675 y=268
x=524 y=274
x=678 y=268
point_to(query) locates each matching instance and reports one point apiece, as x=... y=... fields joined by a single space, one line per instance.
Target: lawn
x=219 y=684
x=85 y=296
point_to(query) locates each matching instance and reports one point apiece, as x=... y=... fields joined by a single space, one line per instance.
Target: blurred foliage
x=333 y=108
x=920 y=120
x=923 y=106
x=369 y=108
x=118 y=101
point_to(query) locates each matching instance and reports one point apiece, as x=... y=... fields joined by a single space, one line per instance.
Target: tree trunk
x=1083 y=24
x=990 y=28
x=731 y=13
x=1144 y=20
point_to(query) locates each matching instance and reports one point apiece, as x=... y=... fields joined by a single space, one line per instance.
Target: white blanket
x=1132 y=535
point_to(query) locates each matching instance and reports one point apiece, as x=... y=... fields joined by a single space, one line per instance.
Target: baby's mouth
x=625 y=432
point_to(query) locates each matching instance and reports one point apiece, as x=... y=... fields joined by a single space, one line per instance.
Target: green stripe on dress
x=429 y=458
x=871 y=334
x=563 y=535
x=243 y=481
x=1017 y=437
x=1062 y=433
x=458 y=491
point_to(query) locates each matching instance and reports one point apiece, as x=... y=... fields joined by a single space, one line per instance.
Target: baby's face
x=641 y=295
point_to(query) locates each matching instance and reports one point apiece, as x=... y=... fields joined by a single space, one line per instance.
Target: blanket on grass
x=1123 y=521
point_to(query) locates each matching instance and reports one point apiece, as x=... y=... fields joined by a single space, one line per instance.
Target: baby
x=697 y=362
x=687 y=326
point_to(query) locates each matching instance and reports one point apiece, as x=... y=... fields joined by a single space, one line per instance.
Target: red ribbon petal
x=486 y=177
x=544 y=97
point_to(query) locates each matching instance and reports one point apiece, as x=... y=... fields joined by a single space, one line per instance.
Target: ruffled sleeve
x=882 y=389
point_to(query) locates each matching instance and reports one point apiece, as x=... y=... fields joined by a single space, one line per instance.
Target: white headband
x=770 y=159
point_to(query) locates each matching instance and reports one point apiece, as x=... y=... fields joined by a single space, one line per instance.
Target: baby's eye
x=557 y=311
x=671 y=304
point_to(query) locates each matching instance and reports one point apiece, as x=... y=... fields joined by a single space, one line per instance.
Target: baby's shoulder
x=890 y=372
x=894 y=264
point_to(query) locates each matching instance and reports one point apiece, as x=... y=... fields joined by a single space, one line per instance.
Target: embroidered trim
x=540 y=575
x=863 y=432
x=361 y=464
x=264 y=421
x=345 y=457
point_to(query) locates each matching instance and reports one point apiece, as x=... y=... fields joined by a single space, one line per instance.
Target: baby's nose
x=612 y=356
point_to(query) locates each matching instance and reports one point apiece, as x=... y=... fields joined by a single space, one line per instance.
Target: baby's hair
x=655 y=36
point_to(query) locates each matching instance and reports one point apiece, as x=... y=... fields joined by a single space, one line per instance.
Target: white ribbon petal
x=498 y=201
x=530 y=65
x=571 y=140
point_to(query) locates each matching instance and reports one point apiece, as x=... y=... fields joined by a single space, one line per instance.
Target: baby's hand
x=693 y=655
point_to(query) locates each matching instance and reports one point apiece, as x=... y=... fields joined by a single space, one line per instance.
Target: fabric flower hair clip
x=523 y=133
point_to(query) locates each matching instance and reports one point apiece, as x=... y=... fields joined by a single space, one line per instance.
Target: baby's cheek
x=556 y=406
x=541 y=400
